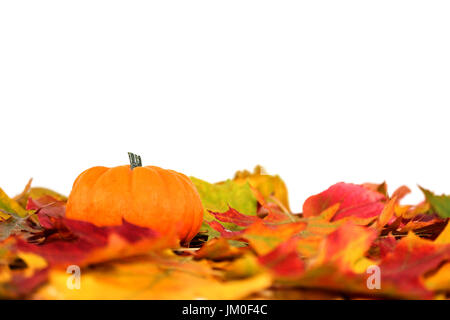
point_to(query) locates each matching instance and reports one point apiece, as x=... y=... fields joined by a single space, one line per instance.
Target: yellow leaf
x=268 y=185
x=36 y=193
x=244 y=267
x=440 y=281
x=10 y=206
x=329 y=213
x=387 y=213
x=153 y=277
x=444 y=237
x=361 y=265
x=346 y=247
x=33 y=261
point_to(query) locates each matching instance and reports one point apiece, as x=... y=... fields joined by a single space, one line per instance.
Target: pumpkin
x=147 y=196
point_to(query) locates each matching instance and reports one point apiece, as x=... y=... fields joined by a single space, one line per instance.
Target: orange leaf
x=387 y=213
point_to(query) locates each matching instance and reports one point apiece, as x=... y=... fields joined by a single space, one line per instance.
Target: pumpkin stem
x=135 y=160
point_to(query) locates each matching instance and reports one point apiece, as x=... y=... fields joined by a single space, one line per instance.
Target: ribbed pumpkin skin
x=146 y=196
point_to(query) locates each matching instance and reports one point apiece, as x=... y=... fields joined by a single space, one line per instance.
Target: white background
x=316 y=91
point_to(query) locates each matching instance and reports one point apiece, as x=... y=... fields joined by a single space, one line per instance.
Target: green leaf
x=440 y=204
x=8 y=227
x=10 y=207
x=11 y=215
x=219 y=197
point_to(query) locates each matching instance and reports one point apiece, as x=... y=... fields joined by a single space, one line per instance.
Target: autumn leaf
x=319 y=227
x=444 y=236
x=378 y=187
x=440 y=280
x=20 y=273
x=440 y=204
x=263 y=234
x=15 y=223
x=218 y=249
x=388 y=213
x=274 y=211
x=401 y=192
x=265 y=237
x=331 y=269
x=219 y=197
x=285 y=260
x=9 y=226
x=402 y=270
x=345 y=247
x=10 y=207
x=420 y=223
x=355 y=200
x=272 y=187
x=153 y=277
x=36 y=193
x=232 y=216
x=382 y=246
x=243 y=267
x=412 y=211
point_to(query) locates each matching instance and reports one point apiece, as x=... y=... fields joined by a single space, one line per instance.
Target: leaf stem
x=283 y=208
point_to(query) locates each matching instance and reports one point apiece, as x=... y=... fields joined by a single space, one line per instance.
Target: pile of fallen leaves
x=251 y=246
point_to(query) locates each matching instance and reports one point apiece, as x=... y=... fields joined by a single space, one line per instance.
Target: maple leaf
x=428 y=226
x=355 y=200
x=401 y=192
x=220 y=196
x=285 y=260
x=235 y=217
x=271 y=187
x=440 y=280
x=378 y=187
x=218 y=249
x=263 y=234
x=10 y=226
x=337 y=266
x=444 y=236
x=20 y=286
x=440 y=204
x=382 y=246
x=265 y=237
x=388 y=213
x=411 y=211
x=345 y=246
x=20 y=273
x=243 y=267
x=153 y=277
x=332 y=269
x=36 y=193
x=10 y=207
x=319 y=227
x=402 y=269
x=273 y=211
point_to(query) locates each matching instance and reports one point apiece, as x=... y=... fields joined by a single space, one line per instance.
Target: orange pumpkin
x=146 y=196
